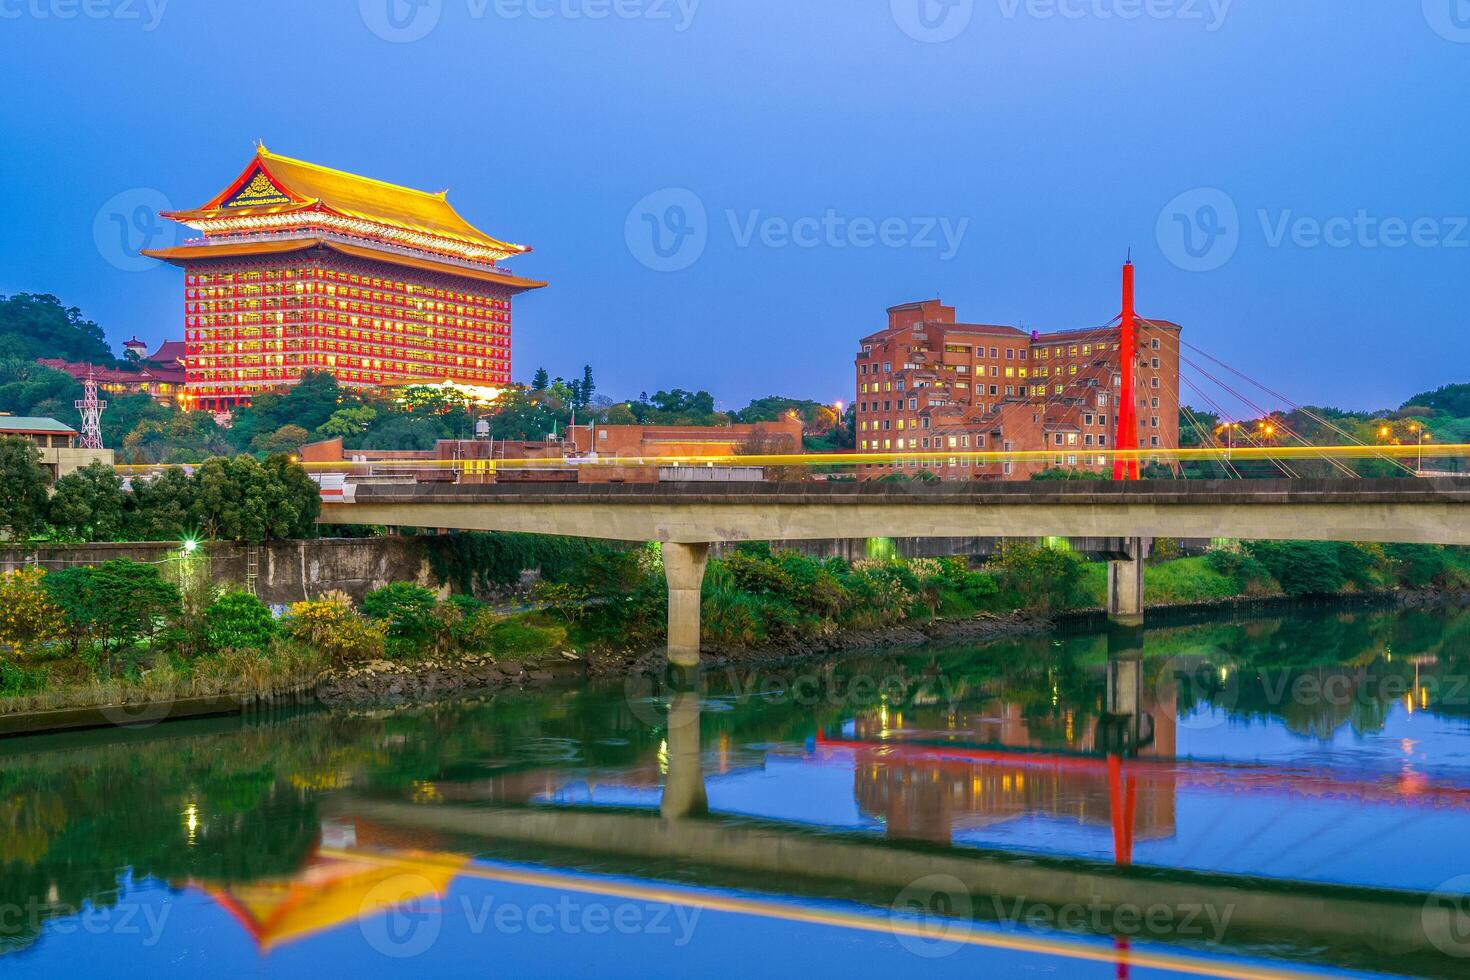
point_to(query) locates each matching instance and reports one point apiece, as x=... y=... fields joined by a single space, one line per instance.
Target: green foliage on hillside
x=36 y=325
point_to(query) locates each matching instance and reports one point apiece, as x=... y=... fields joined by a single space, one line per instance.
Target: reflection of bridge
x=1352 y=922
x=688 y=518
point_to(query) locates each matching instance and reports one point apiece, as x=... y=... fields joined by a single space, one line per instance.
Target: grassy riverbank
x=124 y=633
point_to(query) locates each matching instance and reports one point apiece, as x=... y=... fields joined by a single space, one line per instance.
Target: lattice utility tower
x=91 y=409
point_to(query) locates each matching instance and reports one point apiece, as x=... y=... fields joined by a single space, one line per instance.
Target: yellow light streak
x=843 y=920
x=1238 y=454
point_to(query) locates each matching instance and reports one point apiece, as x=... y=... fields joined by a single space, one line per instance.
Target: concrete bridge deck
x=688 y=517
x=1431 y=511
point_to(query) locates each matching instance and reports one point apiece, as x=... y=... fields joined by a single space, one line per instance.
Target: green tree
x=348 y=423
x=540 y=381
x=405 y=432
x=174 y=437
x=287 y=439
x=126 y=413
x=23 y=483
x=160 y=507
x=88 y=504
x=118 y=603
x=309 y=403
x=238 y=621
x=36 y=325
x=407 y=609
x=72 y=591
x=28 y=388
x=242 y=499
x=1453 y=400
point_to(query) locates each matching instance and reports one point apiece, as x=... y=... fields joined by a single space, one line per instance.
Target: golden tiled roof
x=302 y=186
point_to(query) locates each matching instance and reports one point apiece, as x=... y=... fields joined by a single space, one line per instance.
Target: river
x=1251 y=796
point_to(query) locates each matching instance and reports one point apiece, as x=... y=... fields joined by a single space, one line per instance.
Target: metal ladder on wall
x=252 y=567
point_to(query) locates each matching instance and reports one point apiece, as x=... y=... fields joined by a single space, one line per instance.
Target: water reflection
x=1320 y=749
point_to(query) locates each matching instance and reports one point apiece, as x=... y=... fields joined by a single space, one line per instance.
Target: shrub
x=238 y=620
x=882 y=591
x=759 y=574
x=27 y=612
x=1039 y=578
x=407 y=609
x=1247 y=574
x=1418 y=565
x=567 y=601
x=1302 y=567
x=331 y=625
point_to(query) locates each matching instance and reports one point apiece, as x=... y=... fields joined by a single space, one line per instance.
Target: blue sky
x=1289 y=175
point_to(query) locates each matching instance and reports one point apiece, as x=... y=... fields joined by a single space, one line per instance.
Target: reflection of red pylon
x=1123 y=800
x=1121 y=944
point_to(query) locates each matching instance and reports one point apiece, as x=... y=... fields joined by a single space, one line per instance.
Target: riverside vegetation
x=126 y=631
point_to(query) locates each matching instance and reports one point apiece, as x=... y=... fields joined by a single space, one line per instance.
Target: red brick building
x=302 y=268
x=929 y=384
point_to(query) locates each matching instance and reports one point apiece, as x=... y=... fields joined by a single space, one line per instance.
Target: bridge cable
x=1301 y=408
x=1265 y=414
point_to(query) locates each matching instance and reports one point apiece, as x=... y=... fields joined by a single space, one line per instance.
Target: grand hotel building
x=301 y=268
x=926 y=383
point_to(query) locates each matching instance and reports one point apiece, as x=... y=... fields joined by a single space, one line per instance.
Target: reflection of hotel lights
x=663 y=757
x=191 y=821
x=1409 y=702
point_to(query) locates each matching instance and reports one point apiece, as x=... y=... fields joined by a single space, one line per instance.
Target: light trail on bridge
x=1212 y=454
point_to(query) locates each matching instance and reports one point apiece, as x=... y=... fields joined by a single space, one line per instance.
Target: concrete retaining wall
x=286 y=571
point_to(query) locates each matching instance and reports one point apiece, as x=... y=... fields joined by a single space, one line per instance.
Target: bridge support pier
x=684 y=566
x=1125 y=584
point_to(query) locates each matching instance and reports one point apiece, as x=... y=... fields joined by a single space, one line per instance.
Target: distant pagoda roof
x=280 y=188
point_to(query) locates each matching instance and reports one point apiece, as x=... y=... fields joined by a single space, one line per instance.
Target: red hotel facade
x=302 y=268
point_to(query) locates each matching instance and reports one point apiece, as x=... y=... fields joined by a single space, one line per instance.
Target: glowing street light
x=189 y=546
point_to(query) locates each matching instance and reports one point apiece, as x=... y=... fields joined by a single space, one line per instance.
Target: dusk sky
x=1289 y=174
